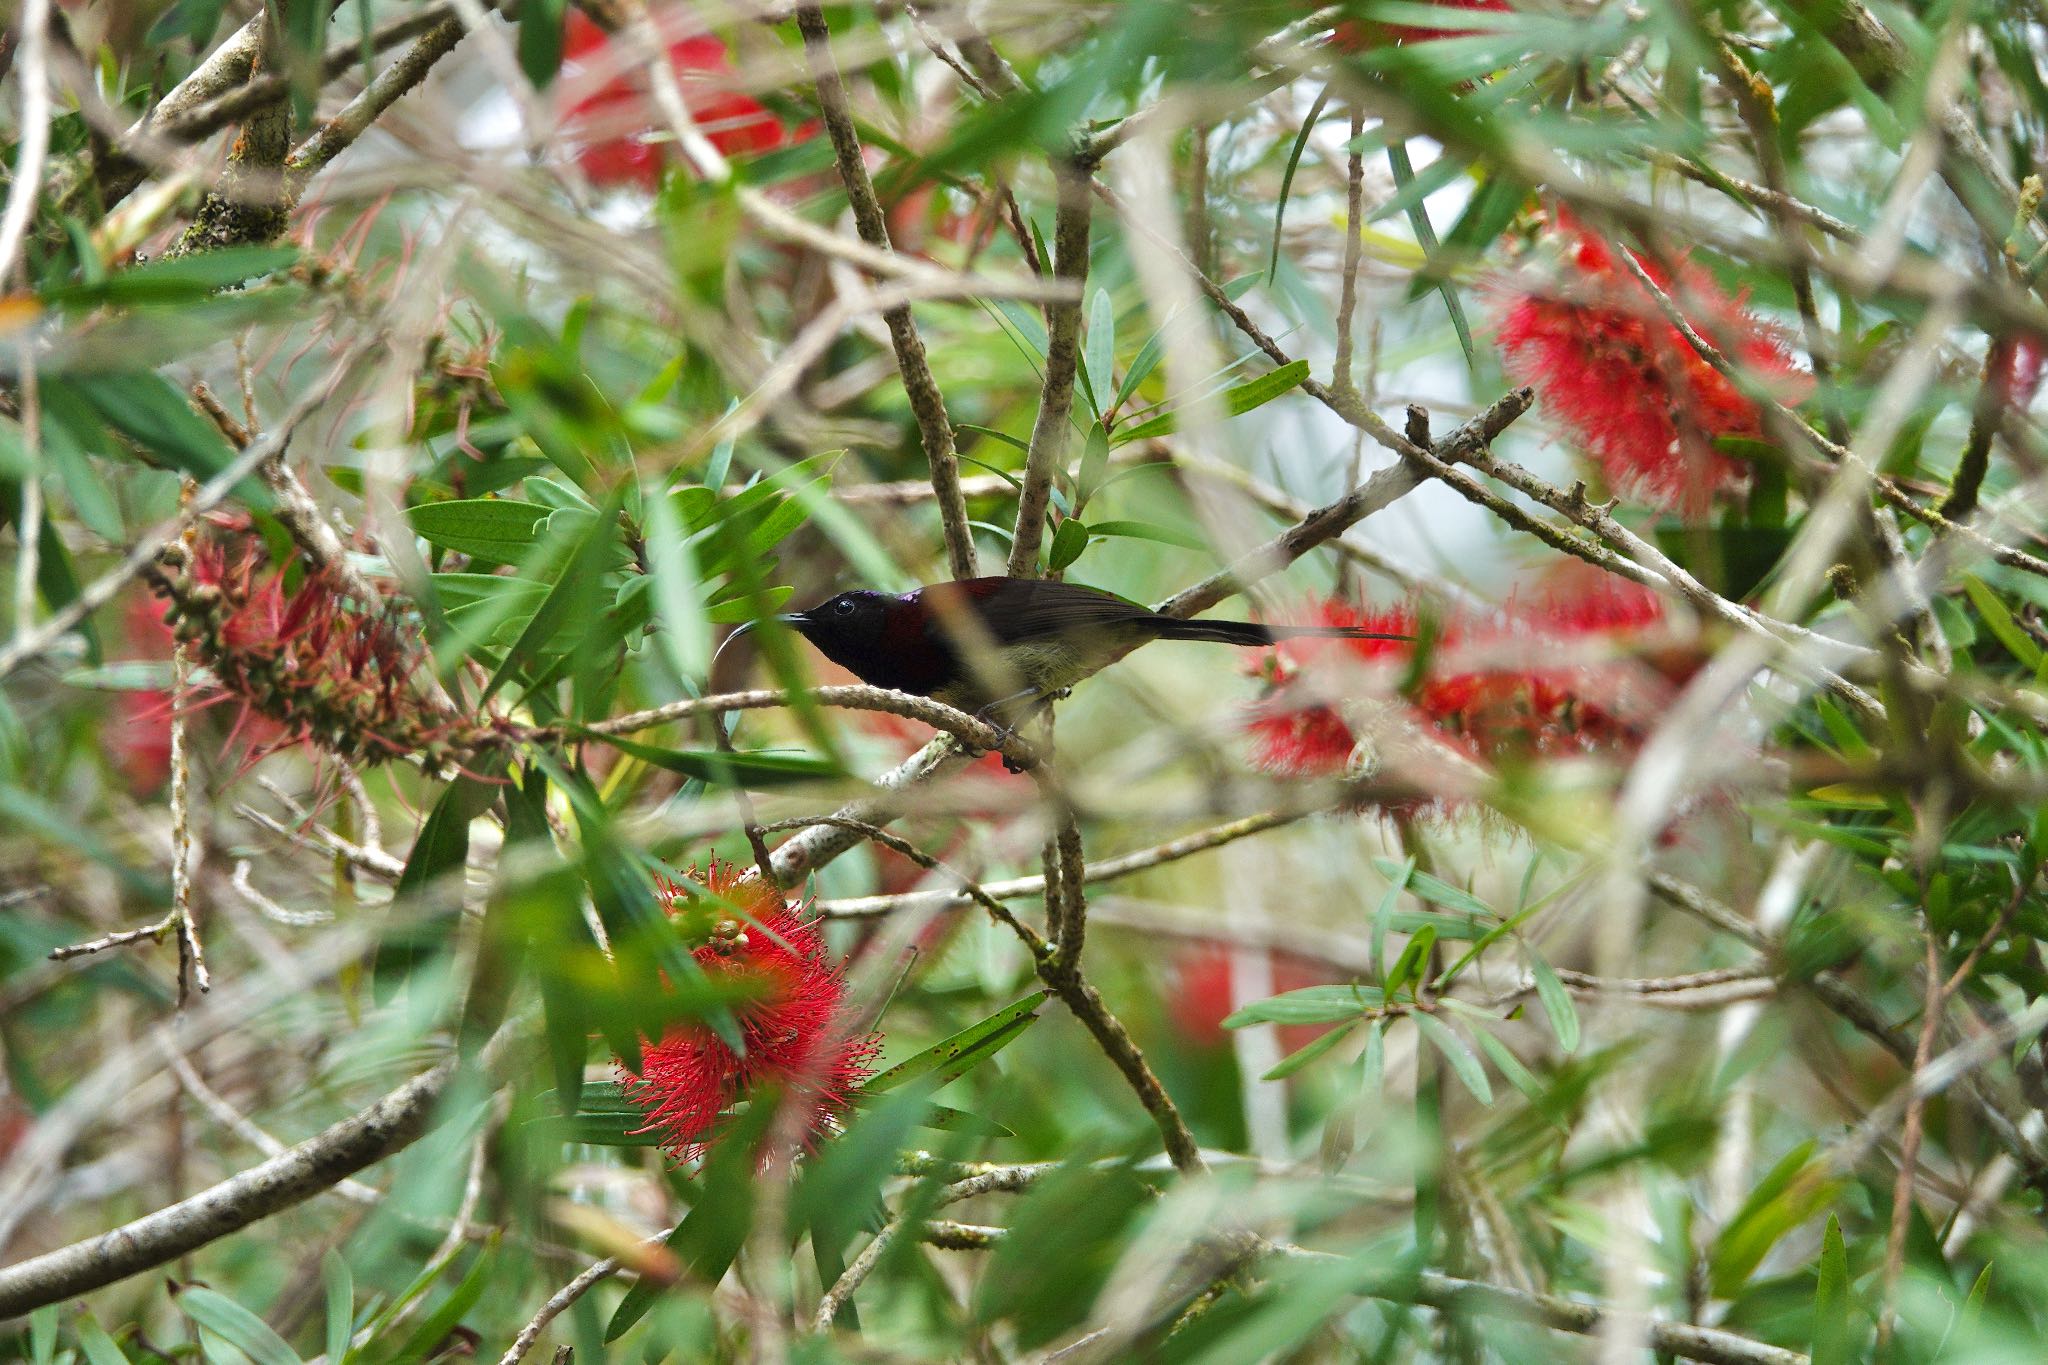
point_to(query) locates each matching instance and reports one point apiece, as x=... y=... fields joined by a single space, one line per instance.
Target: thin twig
x=337 y=134
x=558 y=1303
x=964 y=885
x=1354 y=245
x=935 y=428
x=1103 y=870
x=1045 y=457
x=978 y=734
x=33 y=77
x=1932 y=1005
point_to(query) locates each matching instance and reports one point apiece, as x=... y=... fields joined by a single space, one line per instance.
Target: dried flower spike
x=326 y=669
x=744 y=935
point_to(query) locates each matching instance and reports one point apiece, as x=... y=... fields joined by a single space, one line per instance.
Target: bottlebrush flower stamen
x=1539 y=679
x=746 y=936
x=1625 y=383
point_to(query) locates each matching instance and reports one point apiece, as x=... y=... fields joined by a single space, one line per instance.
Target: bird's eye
x=843 y=607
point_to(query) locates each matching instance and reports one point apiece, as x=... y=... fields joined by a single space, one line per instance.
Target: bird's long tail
x=1254 y=633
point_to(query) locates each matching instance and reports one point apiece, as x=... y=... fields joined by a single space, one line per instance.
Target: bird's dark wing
x=1013 y=610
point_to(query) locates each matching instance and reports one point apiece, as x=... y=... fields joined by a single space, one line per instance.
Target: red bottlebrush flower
x=611 y=122
x=2014 y=366
x=1303 y=736
x=1202 y=997
x=788 y=1015
x=319 y=664
x=138 y=737
x=1543 y=678
x=1355 y=35
x=1626 y=383
x=1531 y=697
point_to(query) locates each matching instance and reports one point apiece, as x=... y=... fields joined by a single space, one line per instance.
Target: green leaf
x=843 y=1182
x=341 y=1304
x=56 y=577
x=1147 y=360
x=1557 y=1004
x=1308 y=127
x=1372 y=1064
x=194 y=19
x=599 y=1113
x=708 y=1240
x=497 y=529
x=1383 y=917
x=435 y=1326
x=1425 y=237
x=943 y=1118
x=143 y=406
x=1237 y=400
x=1462 y=1062
x=1067 y=544
x=1998 y=620
x=1831 y=1341
x=181 y=277
x=88 y=491
x=1413 y=963
x=758 y=770
x=685 y=634
x=573 y=596
x=1435 y=890
x=1094 y=464
x=1145 y=530
x=1798 y=1187
x=1508 y=1064
x=99 y=1348
x=1309 y=1005
x=1971 y=1320
x=540 y=39
x=441 y=850
x=1098 y=356
x=951 y=1058
x=568 y=1026
x=1005 y=438
x=42 y=1334
x=236 y=1325
x=1303 y=1056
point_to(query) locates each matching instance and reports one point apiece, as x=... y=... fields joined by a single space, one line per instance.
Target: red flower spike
x=1202 y=997
x=1628 y=386
x=1355 y=35
x=1527 y=682
x=610 y=123
x=789 y=1016
x=1302 y=736
x=138 y=736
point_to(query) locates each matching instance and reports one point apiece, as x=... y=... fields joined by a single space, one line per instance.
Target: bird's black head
x=851 y=630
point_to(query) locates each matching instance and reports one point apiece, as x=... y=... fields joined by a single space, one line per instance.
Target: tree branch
x=318 y=1163
x=935 y=428
x=1046 y=455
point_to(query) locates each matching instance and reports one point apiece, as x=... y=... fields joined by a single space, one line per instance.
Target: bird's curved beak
x=787 y=618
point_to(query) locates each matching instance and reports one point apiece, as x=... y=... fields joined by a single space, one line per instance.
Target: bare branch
x=935 y=428
x=155 y=1239
x=1046 y=456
